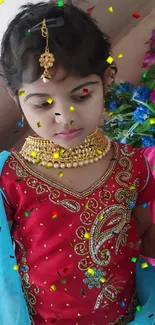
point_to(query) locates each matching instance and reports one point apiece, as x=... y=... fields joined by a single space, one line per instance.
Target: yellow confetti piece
x=120 y=55
x=87 y=235
x=61 y=174
x=144 y=265
x=72 y=109
x=37 y=161
x=53 y=287
x=100 y=217
x=33 y=154
x=22 y=93
x=152 y=120
x=102 y=279
x=49 y=100
x=55 y=216
x=49 y=165
x=1 y=1
x=16 y=267
x=90 y=271
x=110 y=113
x=61 y=151
x=86 y=206
x=110 y=60
x=99 y=152
x=39 y=124
x=56 y=155
x=110 y=9
x=132 y=187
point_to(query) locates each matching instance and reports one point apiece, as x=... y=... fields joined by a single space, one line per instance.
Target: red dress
x=74 y=249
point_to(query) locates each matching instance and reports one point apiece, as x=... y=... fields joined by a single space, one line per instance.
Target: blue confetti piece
x=144 y=205
x=20 y=123
x=131 y=205
x=23 y=268
x=114 y=233
x=150 y=315
x=122 y=304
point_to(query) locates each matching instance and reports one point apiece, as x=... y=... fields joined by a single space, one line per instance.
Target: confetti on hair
x=16 y=267
x=87 y=235
x=139 y=308
x=22 y=93
x=120 y=55
x=103 y=280
x=152 y=121
x=90 y=271
x=27 y=214
x=39 y=124
x=110 y=59
x=60 y=174
x=85 y=91
x=72 y=109
x=110 y=9
x=27 y=32
x=90 y=10
x=135 y=15
x=56 y=155
x=144 y=74
x=144 y=265
x=144 y=204
x=134 y=259
x=122 y=304
x=57 y=114
x=49 y=100
x=60 y=3
x=53 y=287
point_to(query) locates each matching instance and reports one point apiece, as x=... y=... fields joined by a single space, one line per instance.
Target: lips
x=70 y=134
x=69 y=131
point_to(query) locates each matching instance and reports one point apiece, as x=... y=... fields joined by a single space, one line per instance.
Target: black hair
x=79 y=45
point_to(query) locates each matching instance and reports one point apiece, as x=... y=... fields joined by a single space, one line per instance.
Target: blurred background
x=128 y=35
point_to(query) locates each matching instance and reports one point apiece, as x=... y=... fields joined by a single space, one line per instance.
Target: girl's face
x=75 y=112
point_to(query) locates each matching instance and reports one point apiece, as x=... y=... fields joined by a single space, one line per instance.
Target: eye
x=42 y=105
x=82 y=98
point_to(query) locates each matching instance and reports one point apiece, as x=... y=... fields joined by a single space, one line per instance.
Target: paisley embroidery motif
x=70 y=205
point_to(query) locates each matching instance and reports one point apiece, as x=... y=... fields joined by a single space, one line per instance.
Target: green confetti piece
x=139 y=308
x=27 y=32
x=60 y=3
x=154 y=167
x=134 y=259
x=82 y=291
x=144 y=74
x=16 y=131
x=18 y=180
x=27 y=214
x=113 y=159
x=63 y=281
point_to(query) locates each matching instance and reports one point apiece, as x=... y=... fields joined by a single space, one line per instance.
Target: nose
x=64 y=112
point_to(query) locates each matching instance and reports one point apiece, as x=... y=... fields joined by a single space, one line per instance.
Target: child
x=76 y=202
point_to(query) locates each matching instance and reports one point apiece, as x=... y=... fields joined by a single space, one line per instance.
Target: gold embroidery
x=123 y=320
x=26 y=285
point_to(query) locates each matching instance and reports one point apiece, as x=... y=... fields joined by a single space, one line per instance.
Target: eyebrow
x=47 y=95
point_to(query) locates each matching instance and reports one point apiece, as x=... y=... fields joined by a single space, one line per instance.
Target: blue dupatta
x=13 y=308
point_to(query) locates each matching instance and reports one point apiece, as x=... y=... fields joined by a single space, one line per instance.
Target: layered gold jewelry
x=48 y=154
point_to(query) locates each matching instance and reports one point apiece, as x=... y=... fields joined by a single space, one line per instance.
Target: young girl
x=76 y=203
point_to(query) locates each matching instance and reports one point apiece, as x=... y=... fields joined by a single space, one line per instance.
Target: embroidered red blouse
x=74 y=250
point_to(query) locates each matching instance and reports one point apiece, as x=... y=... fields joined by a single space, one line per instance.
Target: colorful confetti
x=20 y=123
x=110 y=9
x=87 y=235
x=39 y=124
x=90 y=271
x=72 y=109
x=16 y=267
x=60 y=3
x=49 y=100
x=134 y=259
x=49 y=165
x=16 y=131
x=63 y=281
x=135 y=15
x=100 y=217
x=120 y=55
x=99 y=152
x=56 y=155
x=110 y=113
x=144 y=265
x=53 y=287
x=27 y=32
x=131 y=205
x=57 y=114
x=113 y=159
x=139 y=308
x=144 y=205
x=1 y=1
x=102 y=279
x=122 y=304
x=27 y=214
x=22 y=93
x=132 y=187
x=143 y=75
x=60 y=174
x=86 y=206
x=33 y=154
x=110 y=59
x=152 y=121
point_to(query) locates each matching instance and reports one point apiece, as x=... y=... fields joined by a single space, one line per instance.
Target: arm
x=146 y=230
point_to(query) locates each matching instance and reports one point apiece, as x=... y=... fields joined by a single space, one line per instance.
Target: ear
x=12 y=95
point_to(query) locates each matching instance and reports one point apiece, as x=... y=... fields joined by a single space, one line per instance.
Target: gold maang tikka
x=46 y=59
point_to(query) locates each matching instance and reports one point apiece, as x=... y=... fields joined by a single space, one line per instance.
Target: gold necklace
x=46 y=153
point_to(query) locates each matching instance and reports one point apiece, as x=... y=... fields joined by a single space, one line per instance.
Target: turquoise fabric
x=13 y=308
